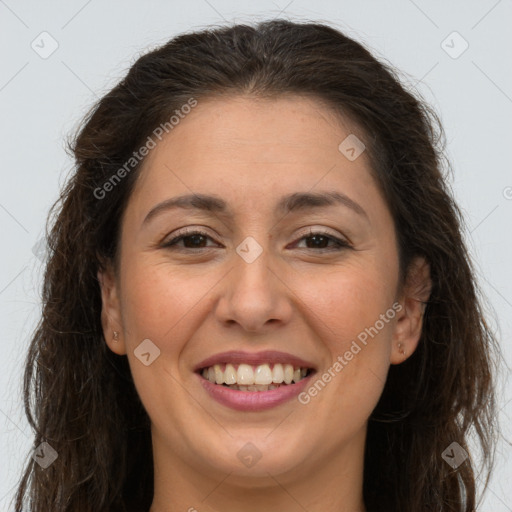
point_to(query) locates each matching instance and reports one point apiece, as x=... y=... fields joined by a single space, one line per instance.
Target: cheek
x=163 y=303
x=159 y=303
x=347 y=300
x=161 y=306
x=353 y=318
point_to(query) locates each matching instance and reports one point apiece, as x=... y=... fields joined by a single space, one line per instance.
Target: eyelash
x=339 y=244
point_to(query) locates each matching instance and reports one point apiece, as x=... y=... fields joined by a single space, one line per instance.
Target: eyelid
x=185 y=232
x=311 y=231
x=339 y=241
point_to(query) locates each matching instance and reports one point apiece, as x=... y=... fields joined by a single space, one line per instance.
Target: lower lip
x=253 y=400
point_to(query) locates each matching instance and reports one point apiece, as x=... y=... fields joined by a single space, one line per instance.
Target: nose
x=255 y=294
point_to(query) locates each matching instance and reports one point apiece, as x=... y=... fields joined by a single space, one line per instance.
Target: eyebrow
x=298 y=201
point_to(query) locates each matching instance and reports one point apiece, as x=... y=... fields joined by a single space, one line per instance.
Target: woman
x=258 y=296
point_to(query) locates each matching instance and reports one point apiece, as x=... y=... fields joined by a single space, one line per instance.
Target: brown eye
x=320 y=240
x=191 y=240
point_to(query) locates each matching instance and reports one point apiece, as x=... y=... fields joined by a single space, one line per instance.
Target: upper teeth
x=246 y=374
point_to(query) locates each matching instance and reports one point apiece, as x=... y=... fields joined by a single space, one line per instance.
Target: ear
x=111 y=320
x=415 y=294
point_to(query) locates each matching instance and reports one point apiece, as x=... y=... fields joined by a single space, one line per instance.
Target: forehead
x=251 y=150
x=265 y=129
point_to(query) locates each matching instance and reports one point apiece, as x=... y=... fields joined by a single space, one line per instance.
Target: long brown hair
x=79 y=395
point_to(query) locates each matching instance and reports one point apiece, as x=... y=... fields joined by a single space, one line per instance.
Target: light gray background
x=42 y=100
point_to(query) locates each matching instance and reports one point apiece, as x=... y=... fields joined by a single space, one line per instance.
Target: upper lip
x=254 y=358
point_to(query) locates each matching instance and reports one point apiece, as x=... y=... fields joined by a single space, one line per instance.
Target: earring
x=116 y=336
x=401 y=349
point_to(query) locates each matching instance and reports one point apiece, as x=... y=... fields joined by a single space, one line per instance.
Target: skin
x=294 y=297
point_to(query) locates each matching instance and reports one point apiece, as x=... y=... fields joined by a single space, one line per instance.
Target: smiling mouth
x=246 y=377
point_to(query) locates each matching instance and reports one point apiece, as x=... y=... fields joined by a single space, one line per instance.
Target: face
x=309 y=282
